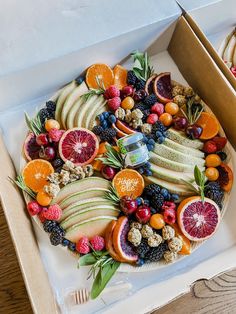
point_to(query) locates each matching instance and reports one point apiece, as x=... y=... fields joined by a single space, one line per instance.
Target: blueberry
x=112 y=118
x=79 y=80
x=175 y=197
x=168 y=197
x=146 y=202
x=104 y=124
x=151 y=141
x=148 y=165
x=158 y=134
x=139 y=201
x=140 y=262
x=72 y=246
x=141 y=170
x=148 y=173
x=161 y=139
x=101 y=118
x=105 y=114
x=65 y=242
x=164 y=134
x=153 y=210
x=150 y=147
x=165 y=193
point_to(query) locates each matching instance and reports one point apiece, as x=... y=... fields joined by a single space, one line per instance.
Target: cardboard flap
x=26 y=246
x=205 y=81
x=188 y=5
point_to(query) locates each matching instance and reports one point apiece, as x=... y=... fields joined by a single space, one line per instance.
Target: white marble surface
x=35 y=31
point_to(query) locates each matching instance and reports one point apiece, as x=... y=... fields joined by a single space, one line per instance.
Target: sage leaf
x=197 y=175
x=88 y=259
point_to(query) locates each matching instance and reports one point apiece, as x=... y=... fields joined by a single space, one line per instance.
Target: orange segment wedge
x=35 y=174
x=120 y=76
x=99 y=72
x=128 y=182
x=209 y=124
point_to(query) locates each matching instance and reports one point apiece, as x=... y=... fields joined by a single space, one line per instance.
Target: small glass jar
x=133 y=150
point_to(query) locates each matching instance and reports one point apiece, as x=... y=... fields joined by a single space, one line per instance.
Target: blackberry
x=214 y=192
x=57 y=163
x=143 y=248
x=156 y=253
x=49 y=225
x=56 y=238
x=158 y=127
x=45 y=114
x=131 y=78
x=146 y=113
x=97 y=129
x=157 y=201
x=140 y=84
x=150 y=100
x=51 y=105
x=151 y=190
x=141 y=106
x=108 y=134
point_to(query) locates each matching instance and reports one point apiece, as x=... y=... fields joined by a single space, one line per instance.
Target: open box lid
x=188 y=5
x=212 y=31
x=42 y=32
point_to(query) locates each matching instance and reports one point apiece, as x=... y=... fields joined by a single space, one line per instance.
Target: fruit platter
x=126 y=169
x=227 y=51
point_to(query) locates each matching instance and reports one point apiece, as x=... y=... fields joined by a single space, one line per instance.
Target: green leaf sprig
x=112 y=195
x=34 y=124
x=102 y=270
x=112 y=158
x=94 y=91
x=141 y=67
x=21 y=184
x=200 y=181
x=192 y=114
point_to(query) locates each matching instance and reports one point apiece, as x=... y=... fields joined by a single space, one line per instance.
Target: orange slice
x=128 y=182
x=99 y=72
x=186 y=248
x=120 y=76
x=209 y=124
x=35 y=174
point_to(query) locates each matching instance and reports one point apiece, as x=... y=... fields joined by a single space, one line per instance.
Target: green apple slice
x=92 y=120
x=180 y=148
x=83 y=111
x=181 y=138
x=71 y=114
x=92 y=112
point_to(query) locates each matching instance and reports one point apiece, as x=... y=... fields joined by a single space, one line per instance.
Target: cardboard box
x=212 y=31
x=174 y=47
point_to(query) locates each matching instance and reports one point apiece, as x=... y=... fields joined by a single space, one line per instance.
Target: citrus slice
x=186 y=248
x=31 y=148
x=120 y=76
x=198 y=220
x=128 y=182
x=226 y=177
x=79 y=146
x=210 y=125
x=162 y=87
x=99 y=72
x=149 y=84
x=35 y=174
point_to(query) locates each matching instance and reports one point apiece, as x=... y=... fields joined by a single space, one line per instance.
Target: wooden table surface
x=211 y=297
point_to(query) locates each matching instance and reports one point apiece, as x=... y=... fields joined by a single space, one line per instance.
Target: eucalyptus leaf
x=88 y=259
x=103 y=277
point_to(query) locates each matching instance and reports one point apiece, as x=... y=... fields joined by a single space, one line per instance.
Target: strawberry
x=220 y=142
x=82 y=246
x=210 y=147
x=114 y=103
x=152 y=118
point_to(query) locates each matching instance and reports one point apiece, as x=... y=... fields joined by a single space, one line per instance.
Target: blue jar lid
x=130 y=139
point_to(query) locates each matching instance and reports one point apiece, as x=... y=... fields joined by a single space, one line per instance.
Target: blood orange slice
x=79 y=146
x=31 y=148
x=198 y=220
x=162 y=87
x=149 y=84
x=120 y=242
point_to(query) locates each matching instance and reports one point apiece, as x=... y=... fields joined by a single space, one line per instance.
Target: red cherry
x=210 y=147
x=127 y=90
x=108 y=172
x=128 y=205
x=42 y=139
x=47 y=153
x=143 y=214
x=139 y=95
x=180 y=123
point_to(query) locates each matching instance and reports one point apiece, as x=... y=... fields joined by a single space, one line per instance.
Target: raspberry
x=168 y=205
x=158 y=108
x=82 y=246
x=220 y=142
x=114 y=103
x=112 y=92
x=55 y=135
x=170 y=216
x=98 y=243
x=41 y=215
x=34 y=208
x=152 y=118
x=54 y=212
x=233 y=70
x=210 y=147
